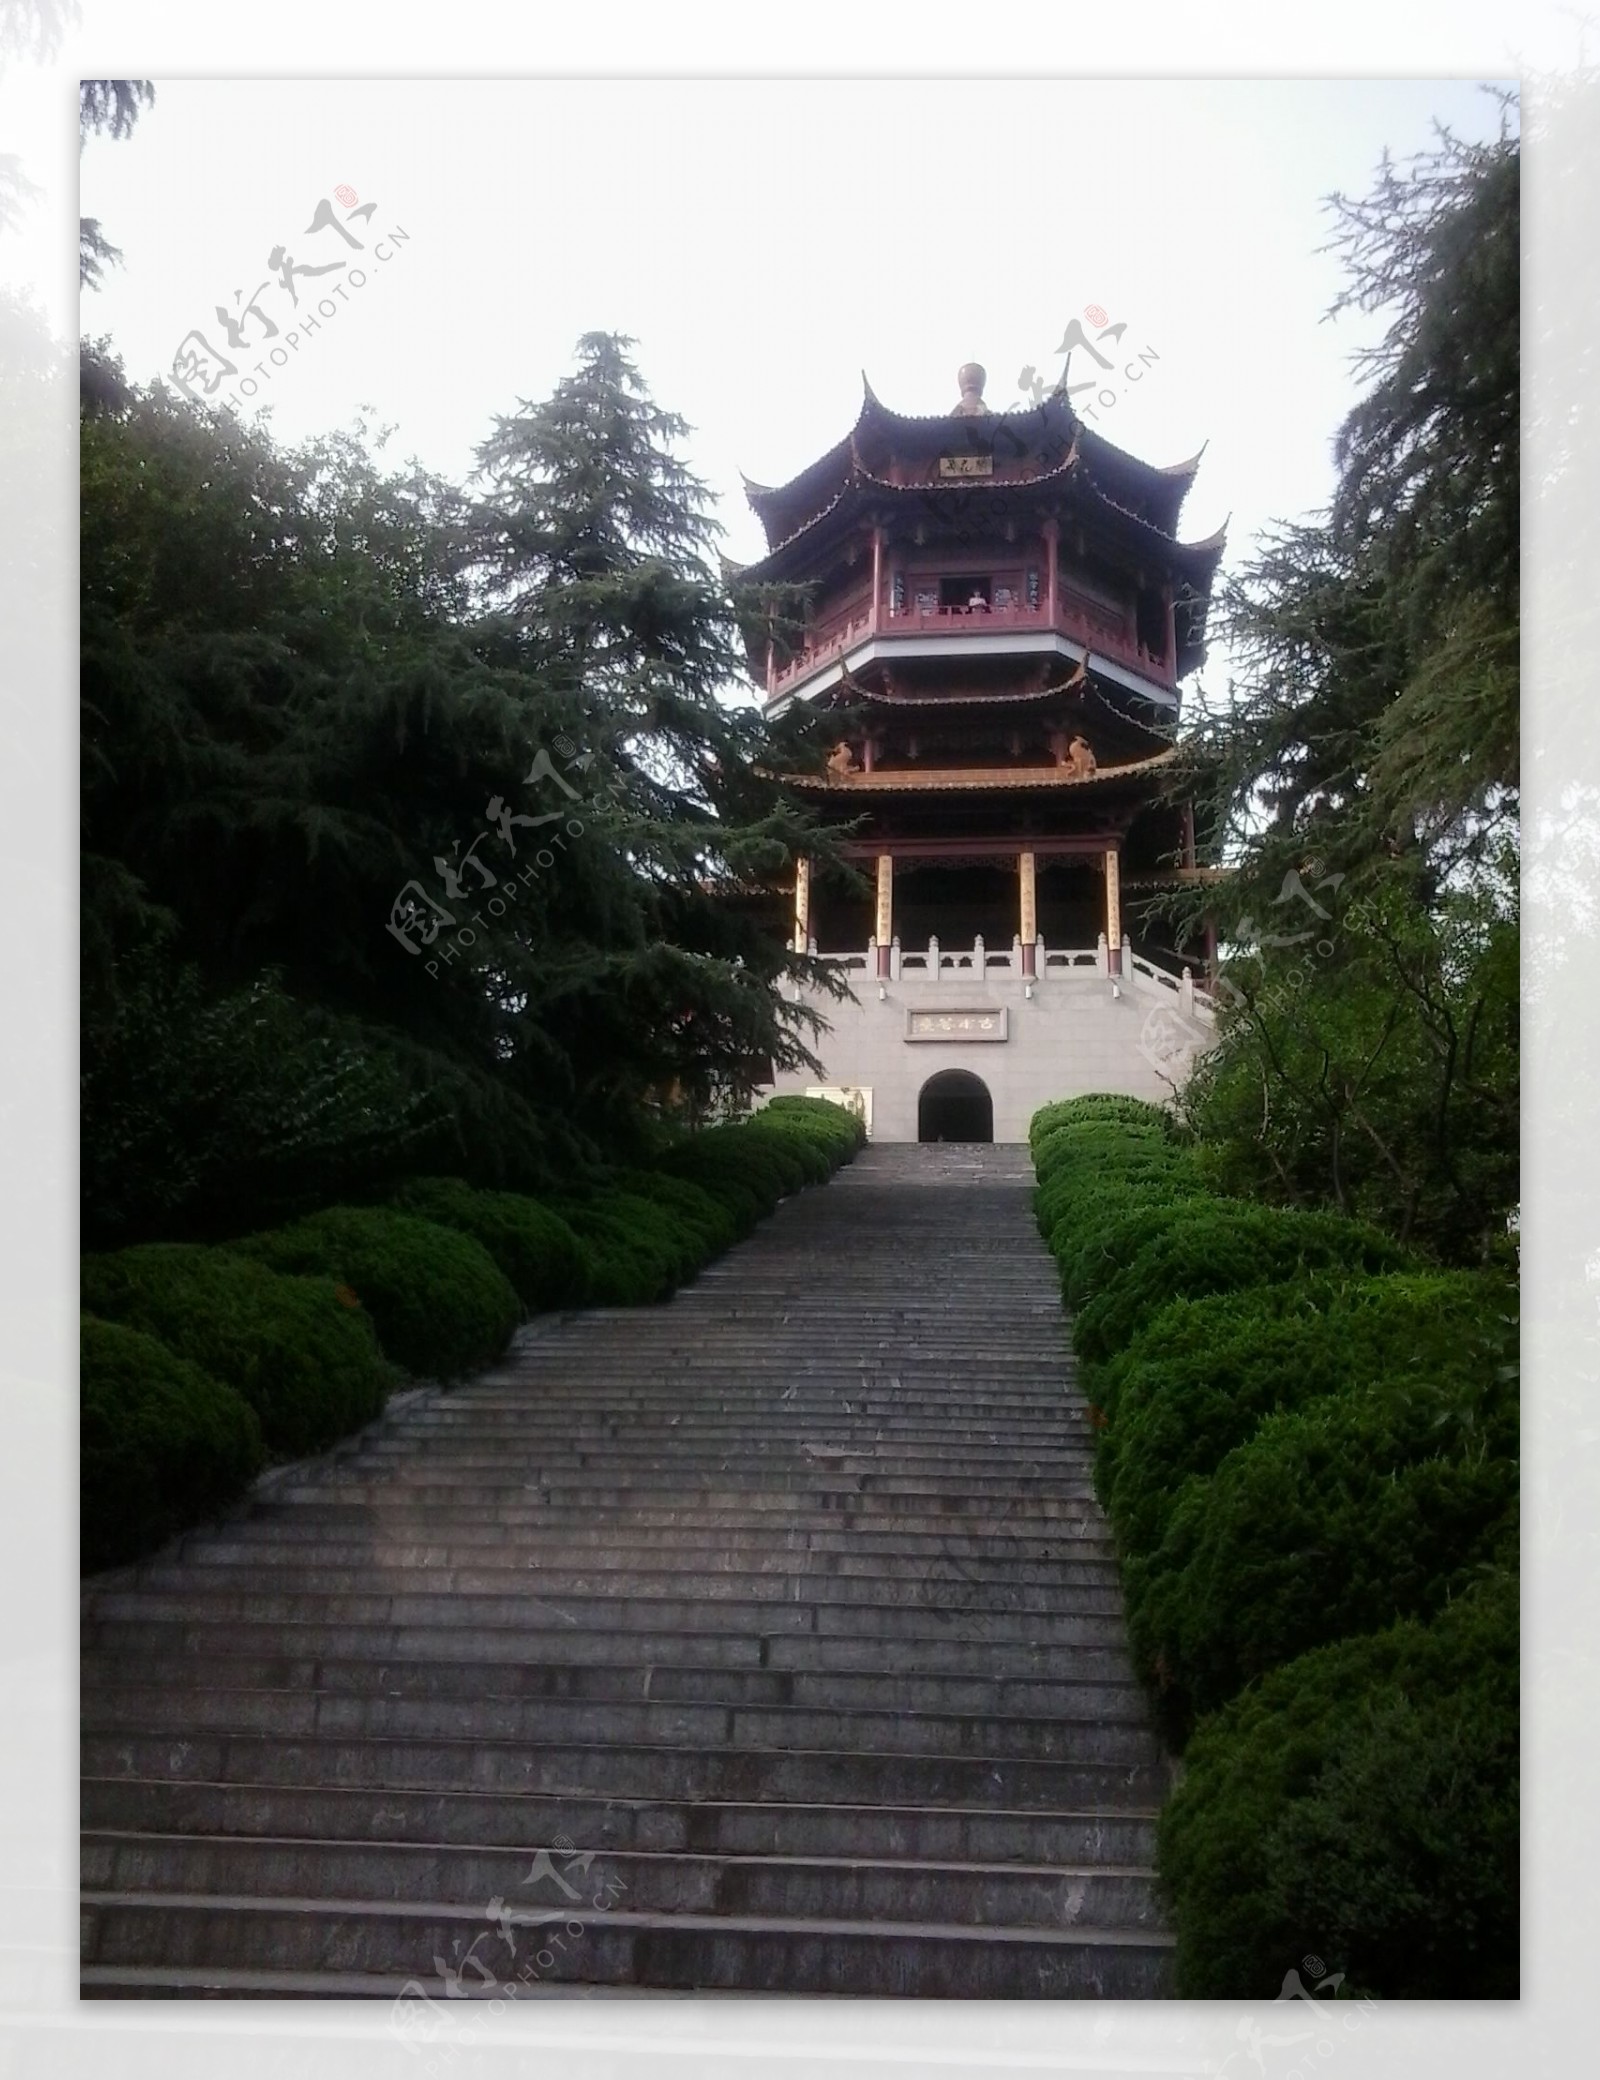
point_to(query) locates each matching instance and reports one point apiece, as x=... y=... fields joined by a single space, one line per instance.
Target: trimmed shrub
x=162 y=1445
x=1201 y=1376
x=638 y=1252
x=751 y=1175
x=1360 y=1804
x=540 y=1255
x=841 y=1132
x=441 y=1304
x=797 y=1156
x=1215 y=1248
x=1337 y=1518
x=302 y=1353
x=1096 y=1240
x=1096 y=1106
x=698 y=1212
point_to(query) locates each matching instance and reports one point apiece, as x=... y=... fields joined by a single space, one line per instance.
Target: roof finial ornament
x=971 y=376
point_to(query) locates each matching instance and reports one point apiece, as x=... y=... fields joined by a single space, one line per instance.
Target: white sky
x=766 y=240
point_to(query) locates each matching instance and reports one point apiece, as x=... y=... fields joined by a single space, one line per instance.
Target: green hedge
x=538 y=1252
x=1200 y=1377
x=161 y=1444
x=441 y=1304
x=1095 y=1107
x=1335 y=1519
x=1305 y=1438
x=710 y=1220
x=1360 y=1804
x=638 y=1251
x=1216 y=1247
x=301 y=1351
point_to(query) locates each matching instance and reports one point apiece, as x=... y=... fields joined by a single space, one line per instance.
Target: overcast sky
x=765 y=241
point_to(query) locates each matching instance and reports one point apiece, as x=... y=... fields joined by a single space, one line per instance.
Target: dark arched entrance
x=955 y=1106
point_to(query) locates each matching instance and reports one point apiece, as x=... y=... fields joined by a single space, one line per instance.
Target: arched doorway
x=955 y=1106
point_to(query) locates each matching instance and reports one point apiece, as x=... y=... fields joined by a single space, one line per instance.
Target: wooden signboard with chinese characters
x=966 y=465
x=985 y=1022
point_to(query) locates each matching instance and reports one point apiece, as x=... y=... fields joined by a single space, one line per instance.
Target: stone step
x=744 y=1571
x=400 y=1941
x=783 y=1611
x=816 y=1888
x=865 y=1516
x=180 y=1630
x=297 y=1714
x=229 y=1665
x=521 y=1822
x=685 y=1454
x=927 y=1618
x=653 y=1770
x=536 y=1526
x=890 y=1497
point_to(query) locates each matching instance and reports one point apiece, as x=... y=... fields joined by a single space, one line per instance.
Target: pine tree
x=595 y=561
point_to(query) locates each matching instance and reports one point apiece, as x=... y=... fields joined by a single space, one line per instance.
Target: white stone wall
x=1077 y=1032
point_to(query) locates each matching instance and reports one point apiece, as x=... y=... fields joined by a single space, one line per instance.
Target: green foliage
x=301 y=1352
x=1098 y=1106
x=1389 y=1085
x=638 y=1253
x=441 y=1304
x=1366 y=762
x=162 y=1445
x=202 y=1114
x=1330 y=1520
x=1359 y=1804
x=713 y=1226
x=835 y=1124
x=538 y=1252
x=1219 y=1247
x=1199 y=1378
x=310 y=683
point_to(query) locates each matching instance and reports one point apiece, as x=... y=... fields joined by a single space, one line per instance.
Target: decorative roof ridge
x=952 y=778
x=1183 y=469
x=1217 y=541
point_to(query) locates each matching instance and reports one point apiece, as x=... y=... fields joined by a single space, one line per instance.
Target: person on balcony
x=977 y=604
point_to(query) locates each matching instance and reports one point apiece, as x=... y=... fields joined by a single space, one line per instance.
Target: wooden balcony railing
x=1082 y=621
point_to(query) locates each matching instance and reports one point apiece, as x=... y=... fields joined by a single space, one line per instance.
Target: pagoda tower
x=1001 y=618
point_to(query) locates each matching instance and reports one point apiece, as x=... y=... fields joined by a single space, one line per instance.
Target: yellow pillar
x=802 y=903
x=1027 y=902
x=1113 y=911
x=885 y=919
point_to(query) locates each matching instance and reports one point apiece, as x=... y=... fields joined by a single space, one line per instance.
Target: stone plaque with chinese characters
x=983 y=1022
x=966 y=465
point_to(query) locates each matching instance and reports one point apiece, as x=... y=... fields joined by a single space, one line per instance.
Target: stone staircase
x=769 y=1641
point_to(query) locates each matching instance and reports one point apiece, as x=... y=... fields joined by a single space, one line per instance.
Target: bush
x=638 y=1253
x=1199 y=1378
x=543 y=1259
x=746 y=1173
x=1360 y=1804
x=1334 y=1519
x=303 y=1354
x=162 y=1445
x=1096 y=1107
x=1217 y=1248
x=698 y=1212
x=840 y=1132
x=441 y=1304
x=1096 y=1240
